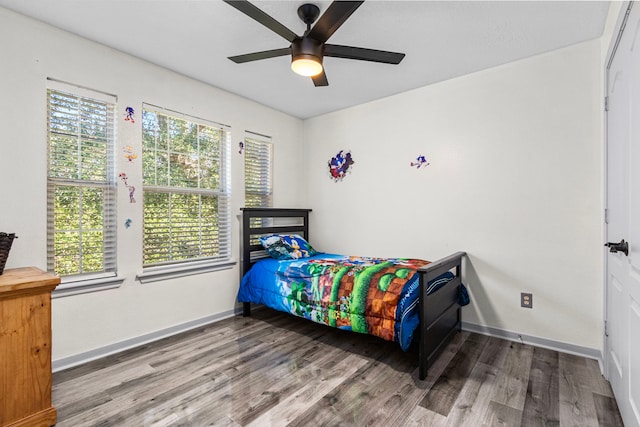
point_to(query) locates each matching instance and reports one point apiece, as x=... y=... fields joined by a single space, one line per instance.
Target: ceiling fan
x=307 y=51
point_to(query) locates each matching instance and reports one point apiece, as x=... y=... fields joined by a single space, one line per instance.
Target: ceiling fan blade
x=265 y=54
x=254 y=12
x=351 y=52
x=320 y=79
x=332 y=19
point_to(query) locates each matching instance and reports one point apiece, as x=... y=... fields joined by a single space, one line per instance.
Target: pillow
x=287 y=246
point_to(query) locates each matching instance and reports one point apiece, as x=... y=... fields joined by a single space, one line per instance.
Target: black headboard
x=272 y=221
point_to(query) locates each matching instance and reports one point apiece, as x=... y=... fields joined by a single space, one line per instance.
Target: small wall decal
x=129 y=154
x=128 y=114
x=123 y=177
x=131 y=188
x=420 y=162
x=340 y=165
x=128 y=223
x=241 y=145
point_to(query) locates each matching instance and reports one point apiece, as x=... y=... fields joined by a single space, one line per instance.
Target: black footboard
x=439 y=311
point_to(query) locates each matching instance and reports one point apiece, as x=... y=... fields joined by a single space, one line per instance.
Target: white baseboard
x=88 y=356
x=578 y=350
x=98 y=353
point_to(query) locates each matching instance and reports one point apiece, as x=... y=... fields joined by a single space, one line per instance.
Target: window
x=186 y=189
x=258 y=152
x=81 y=185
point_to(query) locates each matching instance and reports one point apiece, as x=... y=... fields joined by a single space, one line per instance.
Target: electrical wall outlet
x=526 y=300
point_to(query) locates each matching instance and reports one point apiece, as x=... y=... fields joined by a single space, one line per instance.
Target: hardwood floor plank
x=287 y=383
x=293 y=368
x=165 y=407
x=594 y=376
x=306 y=395
x=502 y=415
x=495 y=352
x=577 y=407
x=445 y=391
x=541 y=406
x=386 y=404
x=473 y=401
x=349 y=402
x=413 y=390
x=208 y=418
x=133 y=403
x=587 y=373
x=81 y=405
x=511 y=386
x=99 y=380
x=607 y=411
x=421 y=417
x=272 y=369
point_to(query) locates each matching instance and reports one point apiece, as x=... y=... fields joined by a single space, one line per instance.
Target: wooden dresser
x=25 y=347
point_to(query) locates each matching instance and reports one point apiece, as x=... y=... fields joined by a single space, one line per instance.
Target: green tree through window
x=258 y=153
x=258 y=189
x=186 y=214
x=81 y=185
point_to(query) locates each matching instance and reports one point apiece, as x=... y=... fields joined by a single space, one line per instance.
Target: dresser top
x=19 y=279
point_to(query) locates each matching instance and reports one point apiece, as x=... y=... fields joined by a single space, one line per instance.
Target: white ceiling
x=441 y=40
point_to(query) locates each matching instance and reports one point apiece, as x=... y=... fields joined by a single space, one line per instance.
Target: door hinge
x=606 y=332
x=606 y=216
x=606 y=103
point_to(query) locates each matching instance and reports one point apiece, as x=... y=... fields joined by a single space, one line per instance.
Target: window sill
x=154 y=274
x=86 y=286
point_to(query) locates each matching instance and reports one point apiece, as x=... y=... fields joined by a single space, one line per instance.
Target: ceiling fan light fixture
x=306 y=56
x=306 y=65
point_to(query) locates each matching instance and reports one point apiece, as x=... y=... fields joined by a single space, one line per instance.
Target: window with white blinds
x=258 y=158
x=81 y=184
x=186 y=190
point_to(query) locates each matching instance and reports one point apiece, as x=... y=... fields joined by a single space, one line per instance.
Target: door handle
x=618 y=247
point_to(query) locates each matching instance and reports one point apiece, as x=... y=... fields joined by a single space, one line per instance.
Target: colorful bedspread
x=368 y=295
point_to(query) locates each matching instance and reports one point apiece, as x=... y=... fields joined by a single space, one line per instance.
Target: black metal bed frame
x=439 y=311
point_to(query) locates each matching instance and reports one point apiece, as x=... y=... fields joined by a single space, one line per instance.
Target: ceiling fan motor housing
x=307 y=48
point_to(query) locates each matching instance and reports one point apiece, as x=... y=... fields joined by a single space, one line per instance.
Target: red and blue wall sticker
x=128 y=114
x=340 y=165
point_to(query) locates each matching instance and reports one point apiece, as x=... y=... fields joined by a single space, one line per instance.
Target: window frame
x=177 y=268
x=82 y=282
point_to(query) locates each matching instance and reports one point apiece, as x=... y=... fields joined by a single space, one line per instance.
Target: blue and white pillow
x=287 y=246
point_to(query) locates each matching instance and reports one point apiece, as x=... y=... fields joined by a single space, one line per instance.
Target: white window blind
x=186 y=190
x=81 y=184
x=258 y=158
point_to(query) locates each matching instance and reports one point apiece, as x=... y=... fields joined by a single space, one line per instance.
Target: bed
x=423 y=297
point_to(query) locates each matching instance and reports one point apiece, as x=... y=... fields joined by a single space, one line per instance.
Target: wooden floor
x=275 y=370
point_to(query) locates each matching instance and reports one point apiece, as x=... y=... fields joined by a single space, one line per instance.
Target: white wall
x=514 y=180
x=30 y=52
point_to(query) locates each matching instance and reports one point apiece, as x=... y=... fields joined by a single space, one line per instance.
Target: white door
x=622 y=352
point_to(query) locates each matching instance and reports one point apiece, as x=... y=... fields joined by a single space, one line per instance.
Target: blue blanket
x=378 y=296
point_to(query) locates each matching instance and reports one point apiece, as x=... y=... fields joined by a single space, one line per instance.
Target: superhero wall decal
x=420 y=161
x=131 y=188
x=340 y=165
x=128 y=114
